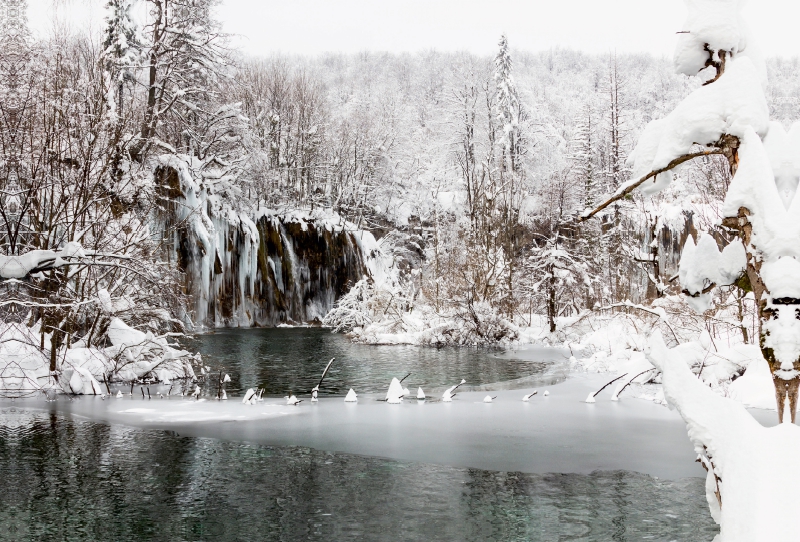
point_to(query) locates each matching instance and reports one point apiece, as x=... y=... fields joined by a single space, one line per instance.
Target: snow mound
x=703 y=265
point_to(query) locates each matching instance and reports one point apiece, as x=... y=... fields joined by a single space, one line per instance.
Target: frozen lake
x=554 y=468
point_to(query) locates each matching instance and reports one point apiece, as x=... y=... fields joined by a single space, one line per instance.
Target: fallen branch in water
x=617 y=393
x=591 y=397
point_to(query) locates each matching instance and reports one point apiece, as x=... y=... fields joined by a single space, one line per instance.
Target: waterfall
x=260 y=268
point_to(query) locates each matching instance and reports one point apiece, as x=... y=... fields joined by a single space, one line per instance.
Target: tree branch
x=626 y=189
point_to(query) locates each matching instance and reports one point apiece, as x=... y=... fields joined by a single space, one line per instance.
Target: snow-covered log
x=751 y=479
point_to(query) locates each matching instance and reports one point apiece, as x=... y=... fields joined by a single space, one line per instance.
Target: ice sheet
x=555 y=433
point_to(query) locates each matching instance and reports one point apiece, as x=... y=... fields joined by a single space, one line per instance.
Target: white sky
x=315 y=26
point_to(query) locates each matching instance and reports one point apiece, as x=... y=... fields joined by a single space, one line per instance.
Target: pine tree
x=121 y=52
x=583 y=156
x=507 y=107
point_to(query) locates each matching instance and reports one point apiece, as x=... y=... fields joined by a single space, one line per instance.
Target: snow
x=75 y=382
x=18 y=267
x=782 y=335
x=702 y=265
x=748 y=462
x=395 y=393
x=755 y=388
x=249 y=397
x=561 y=434
x=753 y=187
x=781 y=276
x=735 y=105
x=783 y=150
x=171 y=412
x=448 y=394
x=775 y=240
x=717 y=23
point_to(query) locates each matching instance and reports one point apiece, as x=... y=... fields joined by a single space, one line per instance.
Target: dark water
x=67 y=479
x=291 y=360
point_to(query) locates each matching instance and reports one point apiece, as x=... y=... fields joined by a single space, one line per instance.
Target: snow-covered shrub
x=352 y=310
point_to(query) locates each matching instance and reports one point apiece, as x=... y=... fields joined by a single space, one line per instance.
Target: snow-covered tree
x=121 y=56
x=583 y=149
x=507 y=109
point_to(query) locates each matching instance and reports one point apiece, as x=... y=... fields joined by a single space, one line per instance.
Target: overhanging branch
x=627 y=189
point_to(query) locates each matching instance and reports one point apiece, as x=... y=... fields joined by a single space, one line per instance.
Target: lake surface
x=291 y=360
x=69 y=473
x=70 y=479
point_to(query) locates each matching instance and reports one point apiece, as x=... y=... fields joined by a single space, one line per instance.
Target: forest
x=158 y=182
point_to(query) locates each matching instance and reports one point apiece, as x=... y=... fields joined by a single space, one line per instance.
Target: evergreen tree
x=121 y=52
x=583 y=156
x=507 y=107
x=508 y=115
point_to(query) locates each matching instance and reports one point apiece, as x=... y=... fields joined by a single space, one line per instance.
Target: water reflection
x=68 y=479
x=291 y=360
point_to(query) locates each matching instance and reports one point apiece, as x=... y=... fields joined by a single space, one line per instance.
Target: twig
x=595 y=394
x=628 y=383
x=630 y=305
